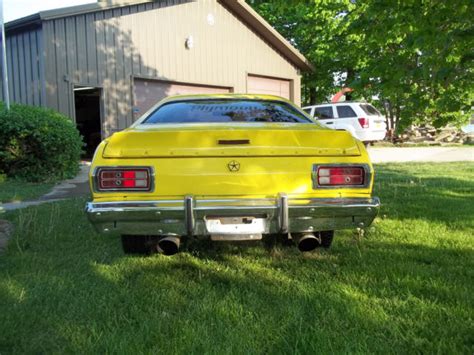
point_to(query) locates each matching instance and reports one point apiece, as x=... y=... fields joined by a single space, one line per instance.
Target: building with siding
x=105 y=64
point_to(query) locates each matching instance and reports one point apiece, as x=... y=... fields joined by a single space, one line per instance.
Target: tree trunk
x=392 y=122
x=397 y=116
x=386 y=113
x=312 y=96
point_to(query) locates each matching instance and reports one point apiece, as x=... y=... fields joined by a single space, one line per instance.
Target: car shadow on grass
x=79 y=293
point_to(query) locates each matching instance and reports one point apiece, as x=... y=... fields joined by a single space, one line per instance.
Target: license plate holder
x=235 y=237
x=236 y=228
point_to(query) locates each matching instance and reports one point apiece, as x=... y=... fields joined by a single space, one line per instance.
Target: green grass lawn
x=406 y=286
x=16 y=190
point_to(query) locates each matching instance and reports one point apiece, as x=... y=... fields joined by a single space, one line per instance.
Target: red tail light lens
x=364 y=122
x=123 y=179
x=341 y=176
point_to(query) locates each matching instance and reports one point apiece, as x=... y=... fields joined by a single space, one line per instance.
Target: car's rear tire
x=326 y=239
x=139 y=244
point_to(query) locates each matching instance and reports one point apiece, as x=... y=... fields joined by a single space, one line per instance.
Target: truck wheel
x=326 y=239
x=139 y=244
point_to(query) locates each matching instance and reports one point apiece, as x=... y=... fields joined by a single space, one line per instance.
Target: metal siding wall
x=21 y=69
x=90 y=73
x=35 y=69
x=108 y=48
x=24 y=69
x=62 y=72
x=82 y=55
x=223 y=54
x=52 y=94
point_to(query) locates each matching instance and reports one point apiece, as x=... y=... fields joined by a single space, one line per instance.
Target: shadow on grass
x=241 y=303
x=80 y=294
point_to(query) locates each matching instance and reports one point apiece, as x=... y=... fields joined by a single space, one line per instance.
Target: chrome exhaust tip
x=308 y=242
x=168 y=245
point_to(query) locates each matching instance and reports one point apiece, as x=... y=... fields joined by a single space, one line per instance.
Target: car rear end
x=230 y=181
x=370 y=125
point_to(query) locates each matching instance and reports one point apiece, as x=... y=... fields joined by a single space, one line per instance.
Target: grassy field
x=405 y=286
x=16 y=190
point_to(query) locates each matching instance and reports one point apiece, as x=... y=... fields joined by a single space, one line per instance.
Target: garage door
x=149 y=92
x=269 y=86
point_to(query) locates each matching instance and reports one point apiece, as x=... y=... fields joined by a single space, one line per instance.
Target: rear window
x=370 y=110
x=324 y=112
x=221 y=111
x=345 y=112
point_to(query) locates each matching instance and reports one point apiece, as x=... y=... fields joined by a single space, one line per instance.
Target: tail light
x=364 y=122
x=123 y=179
x=341 y=176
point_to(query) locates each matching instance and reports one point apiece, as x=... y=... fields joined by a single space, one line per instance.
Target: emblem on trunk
x=234 y=166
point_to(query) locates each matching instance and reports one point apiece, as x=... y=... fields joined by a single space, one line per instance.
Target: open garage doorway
x=88 y=117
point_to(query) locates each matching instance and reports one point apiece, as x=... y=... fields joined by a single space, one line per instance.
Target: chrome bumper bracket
x=189 y=215
x=283 y=213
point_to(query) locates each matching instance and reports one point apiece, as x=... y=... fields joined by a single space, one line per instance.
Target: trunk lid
x=226 y=140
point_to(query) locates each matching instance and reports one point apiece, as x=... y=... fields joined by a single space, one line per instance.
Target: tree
x=318 y=30
x=418 y=57
x=414 y=55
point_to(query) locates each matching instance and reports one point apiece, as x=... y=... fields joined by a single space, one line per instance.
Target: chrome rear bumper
x=188 y=217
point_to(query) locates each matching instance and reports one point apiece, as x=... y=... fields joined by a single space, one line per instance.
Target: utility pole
x=6 y=94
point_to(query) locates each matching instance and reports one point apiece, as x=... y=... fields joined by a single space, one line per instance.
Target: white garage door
x=269 y=86
x=149 y=92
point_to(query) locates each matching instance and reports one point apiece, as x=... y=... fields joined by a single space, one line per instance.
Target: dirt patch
x=6 y=231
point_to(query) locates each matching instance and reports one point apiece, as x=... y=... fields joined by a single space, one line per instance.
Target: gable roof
x=37 y=18
x=238 y=7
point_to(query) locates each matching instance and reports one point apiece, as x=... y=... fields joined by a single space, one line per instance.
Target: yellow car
x=229 y=168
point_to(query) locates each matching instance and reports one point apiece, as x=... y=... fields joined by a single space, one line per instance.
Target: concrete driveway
x=76 y=187
x=421 y=154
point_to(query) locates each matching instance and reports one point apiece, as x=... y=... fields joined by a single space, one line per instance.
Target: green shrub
x=38 y=144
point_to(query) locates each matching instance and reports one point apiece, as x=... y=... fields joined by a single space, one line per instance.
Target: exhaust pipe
x=168 y=245
x=308 y=242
